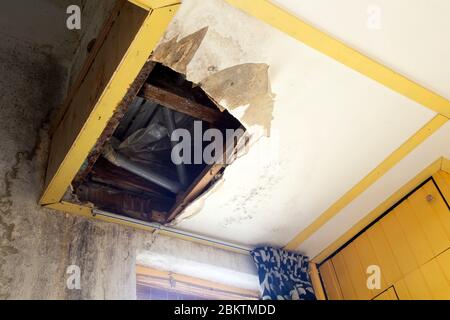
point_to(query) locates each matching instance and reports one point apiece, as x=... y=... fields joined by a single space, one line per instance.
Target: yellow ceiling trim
x=431 y=127
x=382 y=208
x=154 y=4
x=278 y=18
x=446 y=165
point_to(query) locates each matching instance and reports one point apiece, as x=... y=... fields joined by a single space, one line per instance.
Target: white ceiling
x=331 y=125
x=412 y=39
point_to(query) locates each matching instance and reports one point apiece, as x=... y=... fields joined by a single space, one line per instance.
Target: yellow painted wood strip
x=413 y=232
x=429 y=216
x=442 y=179
x=382 y=208
x=344 y=278
x=293 y=26
x=317 y=284
x=154 y=4
x=388 y=295
x=397 y=241
x=330 y=281
x=431 y=127
x=137 y=54
x=446 y=166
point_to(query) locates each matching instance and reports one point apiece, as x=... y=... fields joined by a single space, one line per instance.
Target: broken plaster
x=244 y=86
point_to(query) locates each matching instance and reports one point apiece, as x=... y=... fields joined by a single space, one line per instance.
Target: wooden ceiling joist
x=181 y=104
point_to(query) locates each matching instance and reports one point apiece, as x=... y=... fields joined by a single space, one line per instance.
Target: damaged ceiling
x=317 y=127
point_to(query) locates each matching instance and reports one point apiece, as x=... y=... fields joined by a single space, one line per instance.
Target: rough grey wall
x=37 y=245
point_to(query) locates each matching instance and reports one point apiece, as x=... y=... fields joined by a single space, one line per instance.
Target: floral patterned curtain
x=283 y=275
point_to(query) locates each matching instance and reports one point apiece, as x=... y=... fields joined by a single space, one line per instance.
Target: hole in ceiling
x=133 y=173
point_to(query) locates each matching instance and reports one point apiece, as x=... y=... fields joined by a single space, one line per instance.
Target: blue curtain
x=283 y=275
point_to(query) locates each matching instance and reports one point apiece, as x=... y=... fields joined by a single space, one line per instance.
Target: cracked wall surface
x=37 y=245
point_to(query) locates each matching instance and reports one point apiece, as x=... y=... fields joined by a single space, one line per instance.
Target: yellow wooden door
x=409 y=245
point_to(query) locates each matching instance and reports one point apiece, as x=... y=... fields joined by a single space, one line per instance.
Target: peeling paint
x=246 y=85
x=178 y=54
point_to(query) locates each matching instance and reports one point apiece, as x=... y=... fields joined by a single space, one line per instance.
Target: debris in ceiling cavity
x=130 y=171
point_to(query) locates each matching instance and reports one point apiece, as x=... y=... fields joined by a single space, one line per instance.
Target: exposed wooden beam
x=181 y=104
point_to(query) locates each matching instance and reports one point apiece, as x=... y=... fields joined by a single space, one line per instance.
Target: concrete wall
x=37 y=245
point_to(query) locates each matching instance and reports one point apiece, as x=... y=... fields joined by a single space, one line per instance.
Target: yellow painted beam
x=142 y=46
x=445 y=165
x=280 y=19
x=425 y=132
x=315 y=280
x=154 y=4
x=382 y=208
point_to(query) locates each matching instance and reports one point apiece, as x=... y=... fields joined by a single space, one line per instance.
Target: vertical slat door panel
x=414 y=233
x=369 y=258
x=398 y=243
x=344 y=278
x=390 y=271
x=330 y=281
